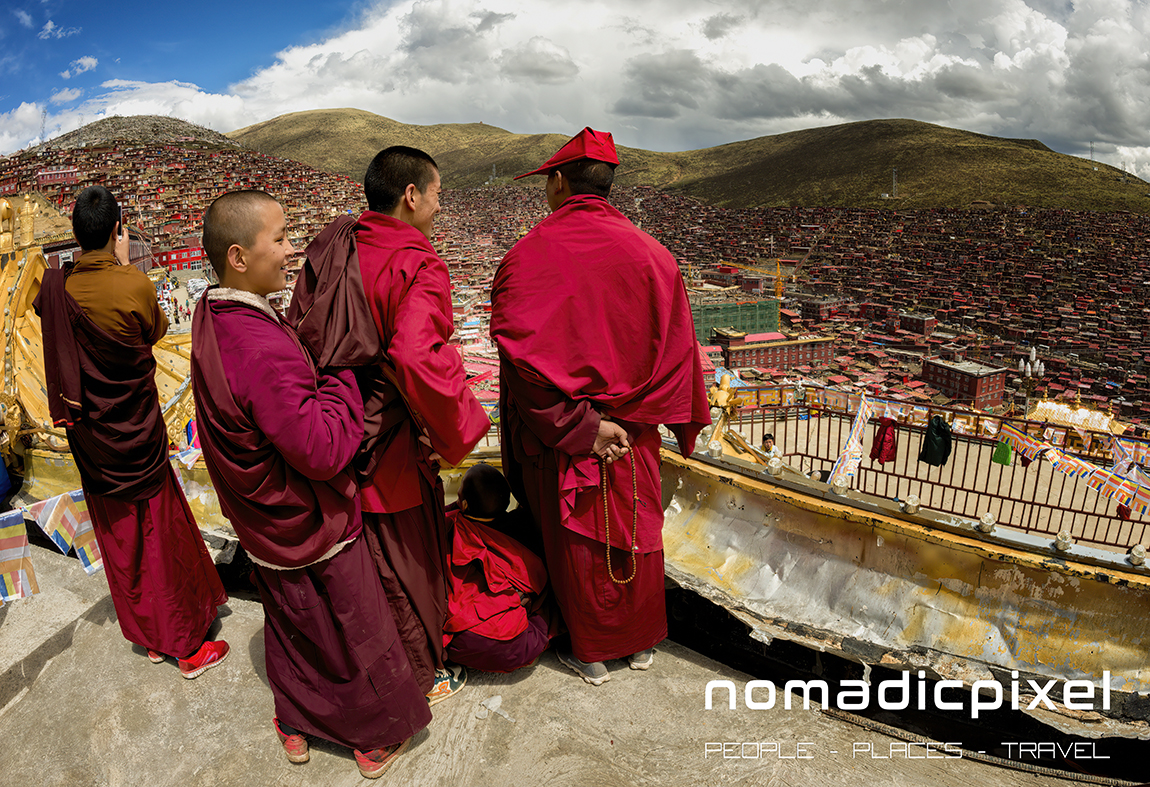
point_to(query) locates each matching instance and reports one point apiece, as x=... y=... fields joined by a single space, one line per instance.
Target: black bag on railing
x=936 y=443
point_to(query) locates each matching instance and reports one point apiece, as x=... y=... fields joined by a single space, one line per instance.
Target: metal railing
x=811 y=429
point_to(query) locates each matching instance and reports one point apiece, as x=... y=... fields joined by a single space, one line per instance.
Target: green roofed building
x=750 y=316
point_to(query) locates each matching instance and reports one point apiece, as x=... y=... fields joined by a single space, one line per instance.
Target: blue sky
x=659 y=74
x=209 y=43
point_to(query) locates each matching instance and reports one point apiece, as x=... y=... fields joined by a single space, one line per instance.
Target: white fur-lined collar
x=243 y=296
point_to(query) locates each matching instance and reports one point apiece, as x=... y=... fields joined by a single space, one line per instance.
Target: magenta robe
x=278 y=439
x=591 y=319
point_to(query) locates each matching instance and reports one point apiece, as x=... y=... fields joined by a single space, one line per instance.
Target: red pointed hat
x=588 y=143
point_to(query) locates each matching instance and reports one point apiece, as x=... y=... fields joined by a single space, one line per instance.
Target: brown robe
x=102 y=390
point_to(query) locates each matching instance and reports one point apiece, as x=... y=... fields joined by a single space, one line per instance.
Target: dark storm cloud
x=660 y=86
x=719 y=25
x=678 y=83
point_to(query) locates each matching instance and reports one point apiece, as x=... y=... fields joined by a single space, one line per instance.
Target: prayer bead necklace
x=634 y=519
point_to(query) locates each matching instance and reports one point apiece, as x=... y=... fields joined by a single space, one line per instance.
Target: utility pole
x=894 y=183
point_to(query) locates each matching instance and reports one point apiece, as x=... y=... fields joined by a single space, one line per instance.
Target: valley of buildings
x=925 y=306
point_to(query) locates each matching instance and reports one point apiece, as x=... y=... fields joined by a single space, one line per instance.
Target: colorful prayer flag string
x=1111 y=485
x=1070 y=465
x=1022 y=442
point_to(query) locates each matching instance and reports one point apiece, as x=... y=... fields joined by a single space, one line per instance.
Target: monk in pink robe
x=420 y=409
x=278 y=437
x=99 y=324
x=597 y=348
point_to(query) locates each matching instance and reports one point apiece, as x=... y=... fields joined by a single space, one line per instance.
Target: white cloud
x=19 y=126
x=677 y=74
x=52 y=30
x=24 y=18
x=66 y=95
x=85 y=63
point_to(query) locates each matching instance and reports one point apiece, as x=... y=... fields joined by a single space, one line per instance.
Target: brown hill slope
x=847 y=165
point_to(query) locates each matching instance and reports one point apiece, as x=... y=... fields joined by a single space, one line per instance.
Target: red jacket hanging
x=885 y=446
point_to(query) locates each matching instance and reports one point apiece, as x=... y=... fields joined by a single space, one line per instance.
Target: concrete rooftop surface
x=79 y=705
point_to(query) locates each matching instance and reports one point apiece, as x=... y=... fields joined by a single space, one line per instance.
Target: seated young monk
x=495 y=616
x=277 y=436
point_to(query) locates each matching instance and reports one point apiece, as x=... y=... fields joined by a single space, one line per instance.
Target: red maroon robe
x=591 y=318
x=278 y=440
x=409 y=294
x=163 y=583
x=489 y=626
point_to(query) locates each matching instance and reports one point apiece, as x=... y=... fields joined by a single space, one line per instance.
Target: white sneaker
x=593 y=672
x=642 y=660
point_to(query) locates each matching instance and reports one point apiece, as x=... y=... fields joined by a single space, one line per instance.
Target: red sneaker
x=295 y=745
x=209 y=655
x=156 y=657
x=373 y=763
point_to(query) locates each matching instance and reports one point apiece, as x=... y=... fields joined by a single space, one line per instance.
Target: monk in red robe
x=100 y=322
x=278 y=437
x=419 y=408
x=597 y=348
x=497 y=614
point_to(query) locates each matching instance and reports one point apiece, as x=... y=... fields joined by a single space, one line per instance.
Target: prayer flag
x=58 y=518
x=1122 y=457
x=1070 y=465
x=850 y=459
x=1111 y=485
x=17 y=579
x=87 y=549
x=188 y=457
x=1141 y=502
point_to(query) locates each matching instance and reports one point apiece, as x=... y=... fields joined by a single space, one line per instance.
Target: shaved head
x=233 y=219
x=485 y=491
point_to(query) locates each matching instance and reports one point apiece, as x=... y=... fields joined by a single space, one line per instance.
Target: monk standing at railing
x=597 y=348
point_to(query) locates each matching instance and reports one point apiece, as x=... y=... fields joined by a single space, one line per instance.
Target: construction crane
x=777 y=273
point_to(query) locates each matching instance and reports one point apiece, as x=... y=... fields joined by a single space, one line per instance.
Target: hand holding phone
x=123 y=245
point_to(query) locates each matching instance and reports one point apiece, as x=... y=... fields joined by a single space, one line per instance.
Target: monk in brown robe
x=99 y=324
x=597 y=348
x=278 y=436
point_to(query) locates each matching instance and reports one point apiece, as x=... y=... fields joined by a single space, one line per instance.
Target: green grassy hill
x=847 y=165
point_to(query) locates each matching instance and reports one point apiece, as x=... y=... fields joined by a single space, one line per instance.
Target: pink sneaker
x=295 y=745
x=373 y=763
x=155 y=656
x=209 y=655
